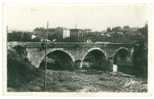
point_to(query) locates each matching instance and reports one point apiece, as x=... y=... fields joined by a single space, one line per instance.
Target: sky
x=95 y=17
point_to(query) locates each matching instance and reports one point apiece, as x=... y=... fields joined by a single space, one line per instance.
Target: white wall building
x=66 y=33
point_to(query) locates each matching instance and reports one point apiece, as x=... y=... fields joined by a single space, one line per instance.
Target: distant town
x=60 y=34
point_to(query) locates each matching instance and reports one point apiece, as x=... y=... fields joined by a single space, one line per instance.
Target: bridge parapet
x=68 y=44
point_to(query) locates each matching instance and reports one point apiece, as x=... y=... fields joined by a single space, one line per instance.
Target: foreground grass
x=85 y=81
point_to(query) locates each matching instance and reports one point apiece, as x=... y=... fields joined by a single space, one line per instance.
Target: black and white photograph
x=77 y=48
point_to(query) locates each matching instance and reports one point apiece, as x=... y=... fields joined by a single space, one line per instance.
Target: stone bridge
x=77 y=51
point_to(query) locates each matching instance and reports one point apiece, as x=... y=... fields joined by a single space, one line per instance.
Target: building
x=76 y=34
x=66 y=33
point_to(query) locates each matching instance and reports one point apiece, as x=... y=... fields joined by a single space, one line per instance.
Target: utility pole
x=45 y=67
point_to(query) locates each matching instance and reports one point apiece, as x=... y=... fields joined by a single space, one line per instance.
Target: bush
x=140 y=60
x=19 y=69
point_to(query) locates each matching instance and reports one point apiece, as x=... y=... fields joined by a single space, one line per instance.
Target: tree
x=108 y=29
x=144 y=32
x=126 y=27
x=140 y=59
x=116 y=29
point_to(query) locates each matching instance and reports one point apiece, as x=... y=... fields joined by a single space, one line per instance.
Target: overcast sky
x=93 y=17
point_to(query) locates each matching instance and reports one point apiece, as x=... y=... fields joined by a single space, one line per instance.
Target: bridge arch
x=123 y=52
x=122 y=59
x=61 y=52
x=98 y=51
